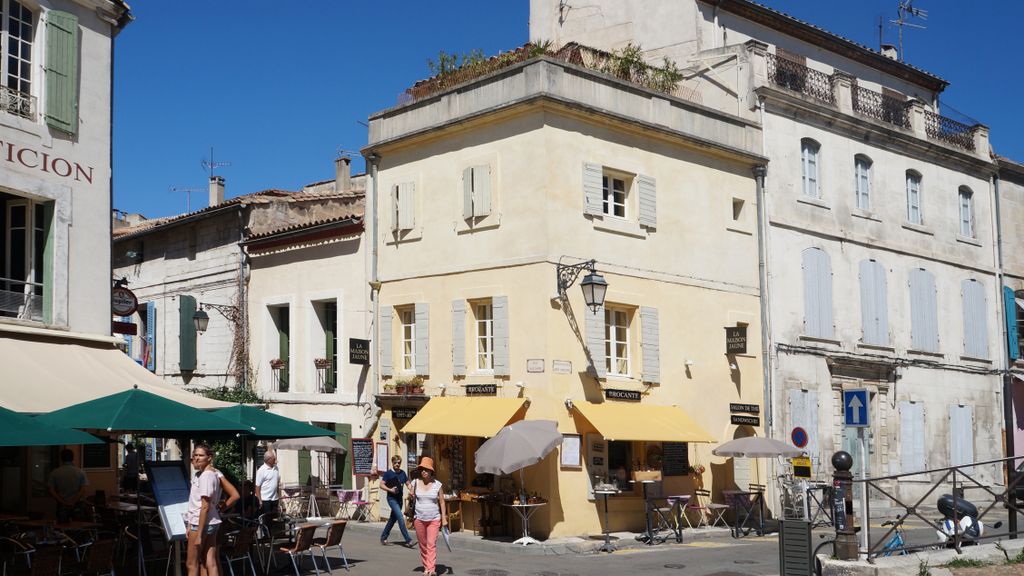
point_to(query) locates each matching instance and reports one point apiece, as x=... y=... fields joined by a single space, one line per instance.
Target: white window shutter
x=386 y=362
x=817 y=271
x=648 y=201
x=649 y=344
x=499 y=311
x=395 y=208
x=458 y=337
x=961 y=435
x=873 y=305
x=911 y=437
x=467 y=193
x=481 y=190
x=593 y=198
x=924 y=325
x=407 y=206
x=803 y=412
x=422 y=339
x=595 y=341
x=975 y=325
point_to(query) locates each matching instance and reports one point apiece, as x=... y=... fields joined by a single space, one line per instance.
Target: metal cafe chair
x=240 y=549
x=334 y=533
x=302 y=546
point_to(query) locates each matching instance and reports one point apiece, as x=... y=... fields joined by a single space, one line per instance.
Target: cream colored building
x=478 y=196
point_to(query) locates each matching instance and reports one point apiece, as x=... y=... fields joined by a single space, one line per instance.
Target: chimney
x=889 y=51
x=216 y=190
x=342 y=173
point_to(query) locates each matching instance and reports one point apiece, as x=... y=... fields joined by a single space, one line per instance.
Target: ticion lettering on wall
x=44 y=162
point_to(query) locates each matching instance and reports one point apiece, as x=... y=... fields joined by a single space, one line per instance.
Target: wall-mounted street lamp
x=593 y=284
x=202 y=320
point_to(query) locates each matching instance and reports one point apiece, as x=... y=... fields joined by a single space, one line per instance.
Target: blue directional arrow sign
x=855 y=408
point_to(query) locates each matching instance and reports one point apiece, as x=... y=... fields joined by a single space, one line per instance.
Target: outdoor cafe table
x=744 y=503
x=525 y=511
x=607 y=547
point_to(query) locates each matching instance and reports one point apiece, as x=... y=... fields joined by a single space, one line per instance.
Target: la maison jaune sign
x=736 y=340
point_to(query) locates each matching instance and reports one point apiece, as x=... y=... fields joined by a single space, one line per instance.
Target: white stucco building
x=878 y=235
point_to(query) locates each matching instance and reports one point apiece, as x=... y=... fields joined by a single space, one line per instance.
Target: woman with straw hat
x=431 y=514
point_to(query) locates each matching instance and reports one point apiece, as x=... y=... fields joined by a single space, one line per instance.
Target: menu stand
x=607 y=546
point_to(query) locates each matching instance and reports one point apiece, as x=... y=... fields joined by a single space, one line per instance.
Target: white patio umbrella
x=517 y=446
x=315 y=443
x=755 y=447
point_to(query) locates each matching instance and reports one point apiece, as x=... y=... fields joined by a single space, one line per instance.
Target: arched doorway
x=742 y=468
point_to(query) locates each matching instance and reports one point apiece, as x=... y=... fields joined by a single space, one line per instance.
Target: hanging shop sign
x=613 y=394
x=745 y=420
x=481 y=389
x=358 y=351
x=127 y=328
x=736 y=340
x=744 y=408
x=403 y=413
x=123 y=301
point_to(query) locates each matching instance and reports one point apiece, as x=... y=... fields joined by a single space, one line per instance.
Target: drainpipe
x=1008 y=422
x=373 y=161
x=243 y=300
x=760 y=173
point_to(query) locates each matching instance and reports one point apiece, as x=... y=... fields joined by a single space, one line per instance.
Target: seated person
x=247 y=506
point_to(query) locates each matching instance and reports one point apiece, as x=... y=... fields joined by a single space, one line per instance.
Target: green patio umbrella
x=140 y=412
x=20 y=430
x=267 y=425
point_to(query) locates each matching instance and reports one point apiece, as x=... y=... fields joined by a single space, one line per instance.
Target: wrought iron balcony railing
x=881 y=107
x=17 y=103
x=799 y=78
x=950 y=131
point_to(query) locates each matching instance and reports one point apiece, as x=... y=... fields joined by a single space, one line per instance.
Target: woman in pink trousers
x=430 y=513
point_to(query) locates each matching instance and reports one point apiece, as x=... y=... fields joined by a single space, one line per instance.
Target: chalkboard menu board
x=96 y=455
x=362 y=456
x=675 y=459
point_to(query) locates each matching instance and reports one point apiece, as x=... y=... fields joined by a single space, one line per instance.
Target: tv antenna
x=906 y=9
x=210 y=165
x=188 y=195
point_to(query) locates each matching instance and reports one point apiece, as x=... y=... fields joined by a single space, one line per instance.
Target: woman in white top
x=203 y=518
x=431 y=514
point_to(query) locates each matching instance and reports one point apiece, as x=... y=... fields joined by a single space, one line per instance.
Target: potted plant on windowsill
x=388 y=388
x=277 y=363
x=321 y=363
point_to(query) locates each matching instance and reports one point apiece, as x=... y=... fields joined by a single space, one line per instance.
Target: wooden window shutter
x=481 y=190
x=650 y=345
x=407 y=206
x=395 y=209
x=975 y=326
x=874 y=314
x=386 y=362
x=305 y=467
x=817 y=294
x=595 y=341
x=467 y=193
x=911 y=433
x=1012 y=335
x=961 y=435
x=458 y=337
x=343 y=434
x=62 y=71
x=923 y=321
x=499 y=310
x=186 y=333
x=422 y=338
x=149 y=349
x=648 y=201
x=593 y=198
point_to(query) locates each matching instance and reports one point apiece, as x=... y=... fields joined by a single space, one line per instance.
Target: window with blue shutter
x=873 y=303
x=62 y=71
x=149 y=348
x=924 y=325
x=186 y=333
x=817 y=271
x=975 y=323
x=1012 y=335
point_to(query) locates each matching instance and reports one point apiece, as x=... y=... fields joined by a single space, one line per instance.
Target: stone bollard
x=845 y=545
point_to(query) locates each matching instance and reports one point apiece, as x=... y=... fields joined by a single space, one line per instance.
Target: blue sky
x=278 y=88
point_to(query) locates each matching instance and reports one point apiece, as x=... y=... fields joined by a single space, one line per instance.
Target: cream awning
x=642 y=422
x=42 y=375
x=462 y=416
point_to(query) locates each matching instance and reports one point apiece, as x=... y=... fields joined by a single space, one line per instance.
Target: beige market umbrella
x=517 y=446
x=755 y=447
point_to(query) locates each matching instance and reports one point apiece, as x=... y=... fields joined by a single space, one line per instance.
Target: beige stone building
x=479 y=196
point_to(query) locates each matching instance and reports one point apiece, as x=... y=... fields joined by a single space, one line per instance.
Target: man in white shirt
x=268 y=484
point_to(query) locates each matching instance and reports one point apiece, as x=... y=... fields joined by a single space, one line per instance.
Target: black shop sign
x=358 y=351
x=744 y=408
x=481 y=390
x=745 y=420
x=403 y=413
x=736 y=340
x=613 y=394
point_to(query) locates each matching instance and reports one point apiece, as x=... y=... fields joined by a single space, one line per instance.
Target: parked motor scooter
x=959 y=517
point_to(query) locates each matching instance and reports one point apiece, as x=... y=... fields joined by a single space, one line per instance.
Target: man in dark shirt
x=393 y=482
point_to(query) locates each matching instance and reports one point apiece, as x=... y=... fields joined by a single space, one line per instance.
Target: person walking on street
x=67 y=486
x=203 y=518
x=430 y=513
x=268 y=484
x=392 y=482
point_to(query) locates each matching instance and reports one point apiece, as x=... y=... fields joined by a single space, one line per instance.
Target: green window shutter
x=305 y=467
x=48 y=231
x=62 y=71
x=186 y=333
x=283 y=319
x=343 y=434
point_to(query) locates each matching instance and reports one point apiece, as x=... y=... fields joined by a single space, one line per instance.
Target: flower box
x=322 y=363
x=277 y=363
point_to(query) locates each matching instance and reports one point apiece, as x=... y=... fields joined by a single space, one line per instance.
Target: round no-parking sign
x=799 y=437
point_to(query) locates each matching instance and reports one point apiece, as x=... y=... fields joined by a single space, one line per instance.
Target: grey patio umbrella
x=754 y=447
x=517 y=446
x=315 y=443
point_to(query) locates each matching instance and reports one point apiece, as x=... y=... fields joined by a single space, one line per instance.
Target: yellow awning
x=643 y=422
x=461 y=416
